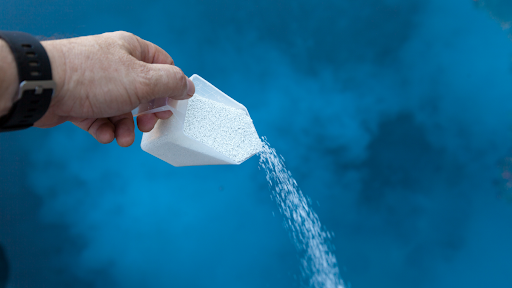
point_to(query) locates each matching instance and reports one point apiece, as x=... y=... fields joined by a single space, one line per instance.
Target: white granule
x=227 y=130
x=311 y=239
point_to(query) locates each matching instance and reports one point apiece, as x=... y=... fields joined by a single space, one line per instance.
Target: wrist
x=58 y=62
x=9 y=82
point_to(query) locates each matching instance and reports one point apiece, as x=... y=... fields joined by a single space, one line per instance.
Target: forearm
x=8 y=78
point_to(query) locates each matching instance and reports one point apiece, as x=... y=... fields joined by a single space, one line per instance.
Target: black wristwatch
x=36 y=85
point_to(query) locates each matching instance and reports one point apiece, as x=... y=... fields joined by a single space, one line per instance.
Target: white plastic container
x=167 y=140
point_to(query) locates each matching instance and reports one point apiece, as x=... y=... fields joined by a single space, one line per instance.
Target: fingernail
x=191 y=89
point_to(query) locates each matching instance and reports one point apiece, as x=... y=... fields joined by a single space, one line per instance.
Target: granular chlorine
x=231 y=132
x=318 y=263
x=228 y=130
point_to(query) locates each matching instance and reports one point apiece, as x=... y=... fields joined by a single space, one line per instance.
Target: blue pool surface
x=394 y=116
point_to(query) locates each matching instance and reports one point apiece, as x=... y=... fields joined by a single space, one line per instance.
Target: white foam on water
x=318 y=263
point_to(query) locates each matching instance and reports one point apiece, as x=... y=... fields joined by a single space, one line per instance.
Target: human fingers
x=153 y=54
x=160 y=77
x=163 y=114
x=160 y=80
x=124 y=129
x=100 y=128
x=141 y=49
x=146 y=122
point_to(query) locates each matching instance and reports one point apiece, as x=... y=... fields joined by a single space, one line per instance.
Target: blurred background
x=394 y=116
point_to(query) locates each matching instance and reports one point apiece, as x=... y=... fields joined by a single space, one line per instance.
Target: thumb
x=165 y=81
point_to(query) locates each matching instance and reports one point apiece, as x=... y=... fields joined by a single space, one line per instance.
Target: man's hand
x=101 y=79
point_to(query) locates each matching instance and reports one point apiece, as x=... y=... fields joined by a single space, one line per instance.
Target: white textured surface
x=228 y=130
x=167 y=142
x=219 y=131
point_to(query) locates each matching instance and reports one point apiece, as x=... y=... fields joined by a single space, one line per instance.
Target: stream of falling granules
x=319 y=265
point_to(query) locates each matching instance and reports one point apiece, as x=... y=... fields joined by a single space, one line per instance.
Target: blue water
x=394 y=116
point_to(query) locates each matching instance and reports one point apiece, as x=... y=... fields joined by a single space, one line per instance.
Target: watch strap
x=35 y=76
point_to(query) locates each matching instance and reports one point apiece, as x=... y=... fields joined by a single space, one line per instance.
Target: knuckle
x=123 y=34
x=180 y=79
x=124 y=38
x=130 y=42
x=177 y=82
x=154 y=83
x=146 y=81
